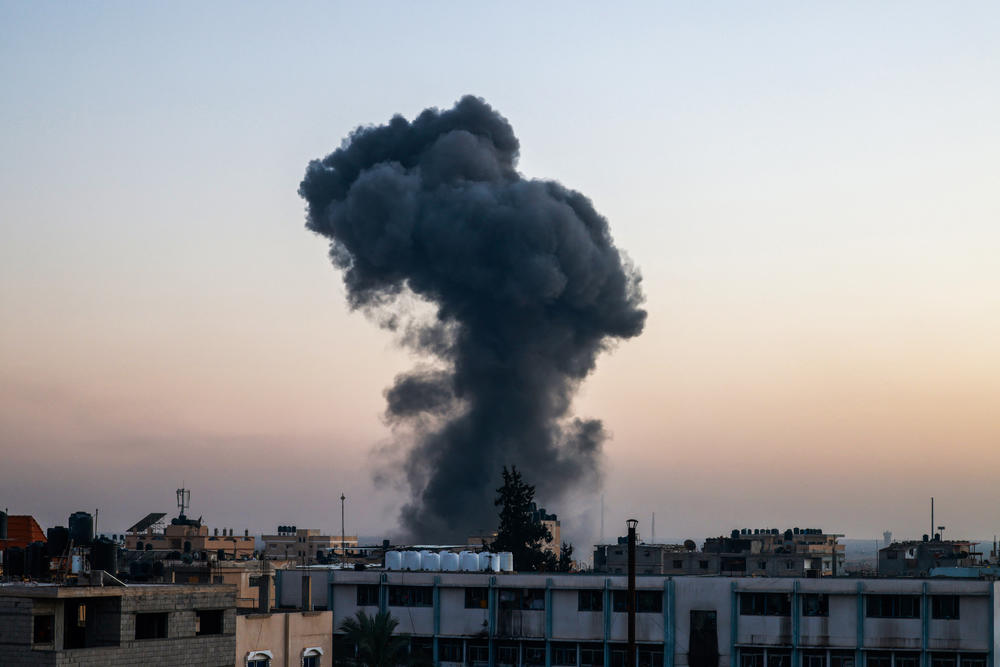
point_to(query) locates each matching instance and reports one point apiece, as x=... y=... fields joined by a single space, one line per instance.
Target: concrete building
x=767 y=552
x=285 y=638
x=303 y=544
x=917 y=559
x=579 y=620
x=146 y=625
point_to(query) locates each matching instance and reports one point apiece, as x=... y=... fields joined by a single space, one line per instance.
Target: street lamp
x=630 y=602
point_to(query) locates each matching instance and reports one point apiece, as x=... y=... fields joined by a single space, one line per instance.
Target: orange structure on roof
x=22 y=530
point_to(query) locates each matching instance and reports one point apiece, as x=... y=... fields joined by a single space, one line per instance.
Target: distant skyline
x=809 y=191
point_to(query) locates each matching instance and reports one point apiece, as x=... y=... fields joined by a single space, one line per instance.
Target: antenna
x=183 y=499
x=932 y=517
x=652 y=529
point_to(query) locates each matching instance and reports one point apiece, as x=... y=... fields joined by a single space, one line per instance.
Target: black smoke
x=527 y=288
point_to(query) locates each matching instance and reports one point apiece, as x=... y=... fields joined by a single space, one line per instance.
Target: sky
x=809 y=190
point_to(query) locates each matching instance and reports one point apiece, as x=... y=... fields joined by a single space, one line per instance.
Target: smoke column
x=526 y=285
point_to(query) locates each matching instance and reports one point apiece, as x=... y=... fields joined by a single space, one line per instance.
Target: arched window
x=312 y=657
x=259 y=659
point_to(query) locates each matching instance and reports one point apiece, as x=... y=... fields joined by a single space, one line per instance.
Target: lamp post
x=343 y=546
x=630 y=601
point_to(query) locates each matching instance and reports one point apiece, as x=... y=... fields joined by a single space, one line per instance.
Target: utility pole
x=343 y=545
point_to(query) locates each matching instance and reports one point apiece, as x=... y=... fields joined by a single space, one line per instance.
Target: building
x=763 y=552
x=285 y=638
x=186 y=535
x=487 y=619
x=117 y=625
x=538 y=515
x=306 y=544
x=917 y=559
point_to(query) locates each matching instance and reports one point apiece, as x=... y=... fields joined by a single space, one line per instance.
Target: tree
x=373 y=635
x=565 y=557
x=519 y=532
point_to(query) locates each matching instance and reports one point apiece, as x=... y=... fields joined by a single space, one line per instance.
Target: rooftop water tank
x=431 y=562
x=468 y=561
x=506 y=561
x=393 y=560
x=81 y=529
x=449 y=561
x=411 y=560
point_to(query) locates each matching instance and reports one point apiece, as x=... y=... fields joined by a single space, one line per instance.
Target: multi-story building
x=117 y=625
x=917 y=559
x=284 y=638
x=489 y=619
x=304 y=544
x=767 y=552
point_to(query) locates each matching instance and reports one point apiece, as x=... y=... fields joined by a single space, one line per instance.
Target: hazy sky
x=809 y=189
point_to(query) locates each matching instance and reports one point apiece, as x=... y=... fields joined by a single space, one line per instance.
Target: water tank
x=104 y=556
x=76 y=564
x=495 y=562
x=393 y=560
x=468 y=561
x=431 y=562
x=81 y=529
x=449 y=561
x=506 y=561
x=36 y=561
x=14 y=562
x=411 y=560
x=58 y=537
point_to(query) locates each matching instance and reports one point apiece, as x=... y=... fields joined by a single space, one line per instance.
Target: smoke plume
x=526 y=285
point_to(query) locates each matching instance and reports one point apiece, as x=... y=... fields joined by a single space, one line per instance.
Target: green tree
x=374 y=636
x=519 y=532
x=565 y=557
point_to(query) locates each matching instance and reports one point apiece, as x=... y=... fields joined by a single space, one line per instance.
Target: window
x=646 y=602
x=944 y=606
x=151 y=626
x=650 y=657
x=450 y=650
x=411 y=596
x=789 y=564
x=564 y=655
x=841 y=658
x=479 y=654
x=751 y=658
x=878 y=659
x=477 y=598
x=43 y=629
x=534 y=655
x=368 y=595
x=765 y=604
x=703 y=564
x=208 y=621
x=259 y=659
x=944 y=660
x=762 y=565
x=524 y=599
x=815 y=604
x=506 y=655
x=814 y=659
x=591 y=656
x=590 y=600
x=907 y=659
x=893 y=606
x=779 y=658
x=973 y=660
x=678 y=564
x=312 y=657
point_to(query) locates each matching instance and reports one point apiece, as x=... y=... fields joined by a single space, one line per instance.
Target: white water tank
x=430 y=562
x=506 y=561
x=468 y=561
x=495 y=562
x=393 y=560
x=76 y=564
x=449 y=561
x=411 y=560
x=484 y=560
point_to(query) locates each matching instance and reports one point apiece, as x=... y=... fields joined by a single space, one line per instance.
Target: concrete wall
x=286 y=635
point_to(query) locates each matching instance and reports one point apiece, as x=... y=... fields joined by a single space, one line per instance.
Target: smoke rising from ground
x=527 y=288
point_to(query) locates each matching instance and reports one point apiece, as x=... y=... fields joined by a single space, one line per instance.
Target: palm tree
x=373 y=635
